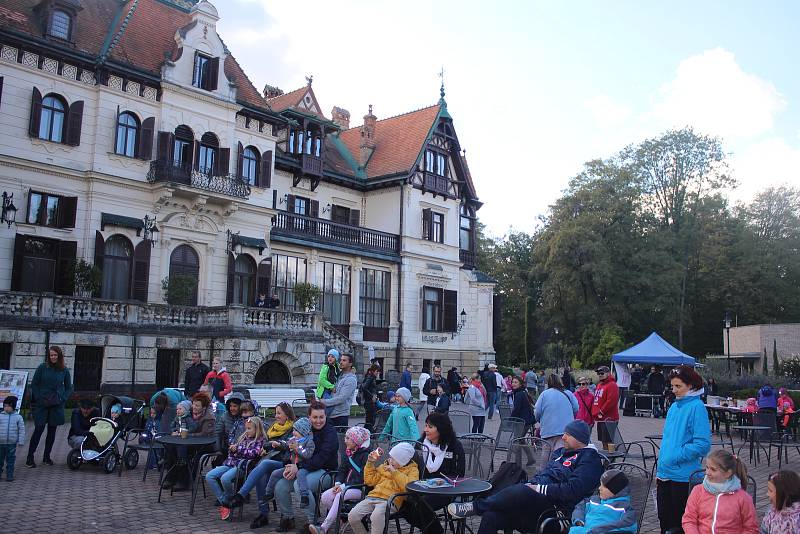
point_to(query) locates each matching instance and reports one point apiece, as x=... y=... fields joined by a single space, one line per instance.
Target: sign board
x=13 y=383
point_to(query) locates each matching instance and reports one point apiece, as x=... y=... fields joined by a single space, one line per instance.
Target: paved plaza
x=56 y=500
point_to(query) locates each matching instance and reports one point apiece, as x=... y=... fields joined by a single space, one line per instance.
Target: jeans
x=283 y=494
x=8 y=453
x=491 y=397
x=515 y=507
x=369 y=420
x=221 y=480
x=75 y=441
x=48 y=442
x=302 y=481
x=258 y=479
x=671 y=499
x=372 y=507
x=478 y=421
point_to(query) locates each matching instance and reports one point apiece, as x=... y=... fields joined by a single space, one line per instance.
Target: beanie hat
x=11 y=400
x=84 y=403
x=334 y=353
x=303 y=425
x=117 y=408
x=404 y=393
x=358 y=435
x=390 y=395
x=187 y=406
x=402 y=452
x=580 y=431
x=615 y=480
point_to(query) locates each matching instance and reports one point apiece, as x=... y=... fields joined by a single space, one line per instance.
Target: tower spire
x=441 y=89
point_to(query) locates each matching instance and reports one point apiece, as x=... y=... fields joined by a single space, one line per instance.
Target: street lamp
x=728 y=331
x=150 y=229
x=9 y=210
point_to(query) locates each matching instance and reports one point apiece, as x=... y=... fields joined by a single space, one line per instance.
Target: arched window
x=51 y=126
x=184 y=275
x=250 y=165
x=127 y=134
x=117 y=260
x=209 y=146
x=244 y=280
x=184 y=141
x=60 y=24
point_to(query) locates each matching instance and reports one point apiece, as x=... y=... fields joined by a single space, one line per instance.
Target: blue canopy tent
x=653 y=351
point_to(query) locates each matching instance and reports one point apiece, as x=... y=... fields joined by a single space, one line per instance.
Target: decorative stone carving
x=29 y=59
x=241 y=121
x=9 y=53
x=50 y=65
x=150 y=93
x=133 y=88
x=87 y=77
x=115 y=82
x=69 y=71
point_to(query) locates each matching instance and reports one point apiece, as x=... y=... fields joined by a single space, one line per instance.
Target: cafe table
x=195 y=445
x=467 y=488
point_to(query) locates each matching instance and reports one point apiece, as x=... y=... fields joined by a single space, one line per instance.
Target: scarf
x=729 y=486
x=435 y=458
x=277 y=429
x=478 y=384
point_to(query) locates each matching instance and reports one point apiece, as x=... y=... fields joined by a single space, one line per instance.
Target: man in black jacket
x=195 y=375
x=369 y=393
x=81 y=423
x=655 y=386
x=431 y=385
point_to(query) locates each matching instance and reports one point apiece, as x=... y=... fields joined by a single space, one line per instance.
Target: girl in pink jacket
x=720 y=505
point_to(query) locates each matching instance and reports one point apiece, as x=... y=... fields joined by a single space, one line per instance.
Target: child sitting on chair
x=301 y=447
x=610 y=510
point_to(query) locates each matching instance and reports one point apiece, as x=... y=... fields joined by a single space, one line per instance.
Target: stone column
x=356 y=326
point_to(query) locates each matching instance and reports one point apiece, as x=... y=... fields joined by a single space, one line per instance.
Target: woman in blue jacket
x=555 y=409
x=686 y=441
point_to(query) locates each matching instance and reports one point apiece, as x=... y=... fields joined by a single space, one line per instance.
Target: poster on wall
x=13 y=383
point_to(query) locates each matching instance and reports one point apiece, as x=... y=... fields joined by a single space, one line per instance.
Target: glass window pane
x=52 y=211
x=35 y=211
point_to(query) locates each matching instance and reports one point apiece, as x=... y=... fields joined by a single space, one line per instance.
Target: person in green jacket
x=402 y=423
x=328 y=375
x=50 y=388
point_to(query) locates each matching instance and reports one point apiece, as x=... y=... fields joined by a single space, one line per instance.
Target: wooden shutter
x=213 y=74
x=290 y=203
x=224 y=165
x=67 y=210
x=64 y=282
x=265 y=174
x=196 y=156
x=450 y=311
x=74 y=122
x=141 y=270
x=1 y=89
x=19 y=255
x=166 y=145
x=240 y=161
x=231 y=277
x=314 y=211
x=36 y=113
x=355 y=217
x=263 y=276
x=146 y=138
x=426 y=223
x=116 y=132
x=99 y=254
x=422 y=309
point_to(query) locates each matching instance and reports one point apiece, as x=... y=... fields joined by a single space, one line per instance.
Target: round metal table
x=752 y=429
x=195 y=445
x=469 y=488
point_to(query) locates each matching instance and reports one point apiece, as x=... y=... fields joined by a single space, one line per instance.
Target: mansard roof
x=136 y=35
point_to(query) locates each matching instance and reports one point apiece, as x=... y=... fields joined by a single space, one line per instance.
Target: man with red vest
x=605 y=408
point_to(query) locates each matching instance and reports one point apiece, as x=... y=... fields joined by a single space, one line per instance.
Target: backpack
x=508 y=474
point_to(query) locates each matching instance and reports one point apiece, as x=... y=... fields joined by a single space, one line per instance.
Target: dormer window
x=436 y=163
x=60 y=25
x=206 y=72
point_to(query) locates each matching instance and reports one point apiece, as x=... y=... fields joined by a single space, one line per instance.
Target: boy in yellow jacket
x=387 y=479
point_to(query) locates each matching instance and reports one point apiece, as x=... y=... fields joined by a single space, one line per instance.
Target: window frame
x=432 y=309
x=437 y=227
x=81 y=377
x=179 y=267
x=437 y=162
x=332 y=291
x=117 y=260
x=42 y=218
x=247 y=161
x=201 y=71
x=47 y=119
x=244 y=294
x=374 y=307
x=280 y=286
x=51 y=23
x=125 y=130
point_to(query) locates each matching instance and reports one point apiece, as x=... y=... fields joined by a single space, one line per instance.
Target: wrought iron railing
x=291 y=224
x=467 y=257
x=165 y=171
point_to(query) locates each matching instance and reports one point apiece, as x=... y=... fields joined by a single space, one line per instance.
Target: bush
x=790 y=368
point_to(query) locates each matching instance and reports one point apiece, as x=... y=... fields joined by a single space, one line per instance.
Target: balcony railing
x=164 y=171
x=467 y=257
x=322 y=230
x=312 y=165
x=438 y=184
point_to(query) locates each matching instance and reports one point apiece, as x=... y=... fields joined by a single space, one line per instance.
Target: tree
x=775 y=364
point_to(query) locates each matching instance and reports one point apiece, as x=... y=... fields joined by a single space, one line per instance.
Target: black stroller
x=100 y=446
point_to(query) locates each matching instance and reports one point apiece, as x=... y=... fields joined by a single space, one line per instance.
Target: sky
x=536 y=89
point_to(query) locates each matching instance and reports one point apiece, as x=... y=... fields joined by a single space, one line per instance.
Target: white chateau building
x=113 y=111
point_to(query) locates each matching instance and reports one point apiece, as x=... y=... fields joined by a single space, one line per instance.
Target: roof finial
x=370 y=109
x=310 y=79
x=441 y=89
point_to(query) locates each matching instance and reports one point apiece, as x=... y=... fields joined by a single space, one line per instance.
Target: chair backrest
x=640 y=483
x=505 y=410
x=530 y=453
x=380 y=419
x=768 y=419
x=462 y=422
x=478 y=453
x=510 y=428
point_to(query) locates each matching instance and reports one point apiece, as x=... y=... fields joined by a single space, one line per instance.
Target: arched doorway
x=273 y=372
x=184 y=267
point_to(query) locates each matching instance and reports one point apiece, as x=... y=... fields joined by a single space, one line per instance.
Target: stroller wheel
x=74 y=460
x=110 y=463
x=131 y=459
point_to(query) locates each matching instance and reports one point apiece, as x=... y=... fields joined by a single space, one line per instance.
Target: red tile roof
x=294 y=100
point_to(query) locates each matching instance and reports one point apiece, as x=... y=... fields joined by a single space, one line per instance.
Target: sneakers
x=461 y=510
x=30 y=463
x=286 y=525
x=304 y=500
x=260 y=521
x=224 y=513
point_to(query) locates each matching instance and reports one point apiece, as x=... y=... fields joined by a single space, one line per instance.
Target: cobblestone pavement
x=53 y=499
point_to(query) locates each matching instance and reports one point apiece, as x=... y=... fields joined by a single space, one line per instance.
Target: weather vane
x=441 y=75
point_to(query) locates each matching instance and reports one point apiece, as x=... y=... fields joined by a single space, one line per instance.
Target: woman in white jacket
x=475 y=399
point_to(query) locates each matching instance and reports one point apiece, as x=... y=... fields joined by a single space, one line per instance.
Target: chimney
x=368 y=136
x=340 y=117
x=272 y=92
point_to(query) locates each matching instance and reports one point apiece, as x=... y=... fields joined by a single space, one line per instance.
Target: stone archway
x=273 y=372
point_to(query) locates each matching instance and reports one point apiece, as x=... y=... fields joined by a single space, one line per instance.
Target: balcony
x=166 y=172
x=435 y=183
x=286 y=224
x=312 y=165
x=467 y=258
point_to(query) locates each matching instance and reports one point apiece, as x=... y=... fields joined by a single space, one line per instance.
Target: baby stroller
x=100 y=446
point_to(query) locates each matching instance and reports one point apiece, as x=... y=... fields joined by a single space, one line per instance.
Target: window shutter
x=231 y=277
x=36 y=113
x=67 y=252
x=116 y=132
x=314 y=212
x=426 y=223
x=196 y=155
x=16 y=270
x=67 y=209
x=450 y=308
x=240 y=161
x=1 y=89
x=141 y=270
x=99 y=253
x=224 y=165
x=263 y=276
x=213 y=74
x=355 y=217
x=422 y=309
x=290 y=203
x=74 y=122
x=146 y=138
x=166 y=144
x=265 y=177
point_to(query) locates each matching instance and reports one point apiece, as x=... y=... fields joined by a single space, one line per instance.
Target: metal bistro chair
x=462 y=422
x=787 y=437
x=697 y=478
x=510 y=428
x=380 y=419
x=478 y=448
x=505 y=410
x=722 y=420
x=153 y=449
x=537 y=452
x=638 y=450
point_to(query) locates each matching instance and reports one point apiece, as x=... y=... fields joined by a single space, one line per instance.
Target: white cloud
x=606 y=111
x=763 y=164
x=712 y=93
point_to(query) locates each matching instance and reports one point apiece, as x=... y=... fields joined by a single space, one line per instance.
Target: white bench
x=271 y=397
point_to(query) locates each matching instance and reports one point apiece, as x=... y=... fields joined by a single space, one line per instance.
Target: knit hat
x=334 y=353
x=235 y=398
x=580 y=431
x=402 y=452
x=116 y=408
x=751 y=401
x=187 y=406
x=358 y=435
x=303 y=425
x=404 y=393
x=614 y=480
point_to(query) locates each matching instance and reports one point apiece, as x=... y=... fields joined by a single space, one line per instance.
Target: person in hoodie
x=605 y=409
x=220 y=383
x=12 y=435
x=81 y=423
x=571 y=475
x=784 y=398
x=767 y=400
x=686 y=440
x=721 y=504
x=783 y=490
x=339 y=403
x=610 y=511
x=476 y=400
x=328 y=375
x=230 y=424
x=402 y=423
x=350 y=473
x=585 y=400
